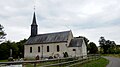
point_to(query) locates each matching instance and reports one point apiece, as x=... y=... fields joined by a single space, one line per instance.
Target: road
x=114 y=62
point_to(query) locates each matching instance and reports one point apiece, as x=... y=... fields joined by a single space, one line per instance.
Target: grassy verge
x=3 y=60
x=102 y=62
x=112 y=55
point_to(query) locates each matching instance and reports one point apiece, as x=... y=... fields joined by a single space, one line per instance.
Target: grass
x=112 y=55
x=3 y=60
x=102 y=62
x=41 y=64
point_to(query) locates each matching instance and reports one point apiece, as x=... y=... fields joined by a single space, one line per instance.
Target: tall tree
x=2 y=33
x=106 y=45
x=92 y=48
x=20 y=46
x=17 y=49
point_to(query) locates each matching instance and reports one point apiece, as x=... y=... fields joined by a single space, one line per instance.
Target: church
x=54 y=44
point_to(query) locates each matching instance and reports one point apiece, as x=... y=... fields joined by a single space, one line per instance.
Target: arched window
x=30 y=49
x=39 y=49
x=58 y=48
x=47 y=48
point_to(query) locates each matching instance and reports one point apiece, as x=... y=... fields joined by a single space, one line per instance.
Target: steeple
x=34 y=20
x=34 y=26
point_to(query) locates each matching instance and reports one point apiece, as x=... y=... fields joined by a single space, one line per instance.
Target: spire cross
x=34 y=4
x=34 y=7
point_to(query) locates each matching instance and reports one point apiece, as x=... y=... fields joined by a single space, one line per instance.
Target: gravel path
x=113 y=62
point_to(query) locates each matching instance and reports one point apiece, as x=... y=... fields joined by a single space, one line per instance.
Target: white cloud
x=90 y=18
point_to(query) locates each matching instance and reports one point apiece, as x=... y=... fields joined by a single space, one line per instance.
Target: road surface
x=113 y=62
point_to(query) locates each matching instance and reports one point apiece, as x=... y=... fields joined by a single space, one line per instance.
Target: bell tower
x=34 y=26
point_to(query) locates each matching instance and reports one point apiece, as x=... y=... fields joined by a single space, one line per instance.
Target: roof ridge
x=54 y=33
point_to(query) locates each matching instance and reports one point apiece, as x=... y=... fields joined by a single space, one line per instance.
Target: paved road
x=114 y=62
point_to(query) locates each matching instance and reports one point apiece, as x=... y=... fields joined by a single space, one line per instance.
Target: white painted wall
x=80 y=51
x=76 y=53
x=52 y=50
x=84 y=49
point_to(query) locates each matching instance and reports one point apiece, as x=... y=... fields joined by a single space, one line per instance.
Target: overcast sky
x=89 y=18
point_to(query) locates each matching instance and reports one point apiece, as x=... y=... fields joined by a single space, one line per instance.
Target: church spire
x=34 y=20
x=34 y=26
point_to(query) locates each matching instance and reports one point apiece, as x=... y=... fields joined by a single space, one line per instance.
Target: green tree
x=20 y=46
x=92 y=48
x=2 y=33
x=17 y=49
x=5 y=50
x=107 y=45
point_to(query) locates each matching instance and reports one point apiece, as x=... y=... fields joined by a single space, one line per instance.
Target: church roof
x=49 y=38
x=76 y=42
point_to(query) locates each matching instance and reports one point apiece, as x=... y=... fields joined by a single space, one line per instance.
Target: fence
x=59 y=62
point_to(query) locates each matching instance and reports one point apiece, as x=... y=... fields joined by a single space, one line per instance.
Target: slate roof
x=76 y=42
x=48 y=38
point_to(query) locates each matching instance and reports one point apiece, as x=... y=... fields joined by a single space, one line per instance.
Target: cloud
x=90 y=18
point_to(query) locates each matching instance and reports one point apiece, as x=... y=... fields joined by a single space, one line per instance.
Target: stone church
x=53 y=44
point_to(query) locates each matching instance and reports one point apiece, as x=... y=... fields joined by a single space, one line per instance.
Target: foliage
x=107 y=46
x=117 y=50
x=2 y=33
x=17 y=49
x=3 y=60
x=92 y=48
x=112 y=55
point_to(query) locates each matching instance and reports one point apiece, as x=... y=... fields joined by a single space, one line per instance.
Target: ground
x=113 y=62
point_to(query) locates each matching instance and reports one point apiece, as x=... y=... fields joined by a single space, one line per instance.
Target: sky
x=89 y=18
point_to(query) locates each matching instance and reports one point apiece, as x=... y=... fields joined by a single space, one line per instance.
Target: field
x=102 y=62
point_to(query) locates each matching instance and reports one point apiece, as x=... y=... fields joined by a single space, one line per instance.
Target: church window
x=47 y=48
x=39 y=49
x=30 y=49
x=58 y=48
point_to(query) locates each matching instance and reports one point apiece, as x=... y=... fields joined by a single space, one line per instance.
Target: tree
x=106 y=45
x=20 y=46
x=2 y=33
x=17 y=49
x=92 y=48
x=5 y=50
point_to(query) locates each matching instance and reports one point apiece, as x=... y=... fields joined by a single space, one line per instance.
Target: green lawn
x=102 y=62
x=3 y=60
